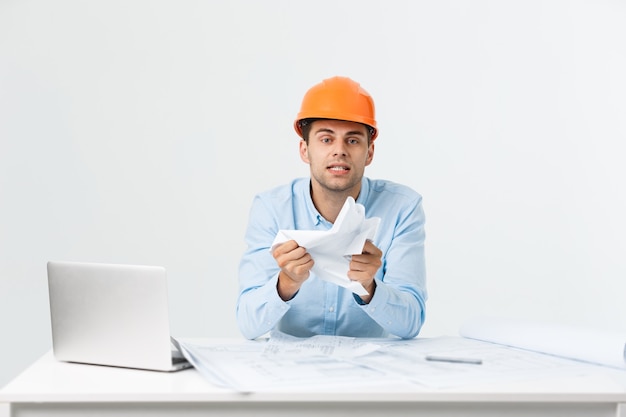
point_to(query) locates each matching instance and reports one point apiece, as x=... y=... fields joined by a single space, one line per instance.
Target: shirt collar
x=319 y=219
x=365 y=191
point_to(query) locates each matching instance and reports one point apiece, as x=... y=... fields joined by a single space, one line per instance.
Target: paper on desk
x=573 y=342
x=407 y=358
x=250 y=367
x=217 y=361
x=331 y=249
x=290 y=364
x=342 y=347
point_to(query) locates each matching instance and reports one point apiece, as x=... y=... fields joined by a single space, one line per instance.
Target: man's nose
x=340 y=149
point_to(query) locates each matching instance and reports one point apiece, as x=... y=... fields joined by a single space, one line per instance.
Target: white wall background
x=139 y=131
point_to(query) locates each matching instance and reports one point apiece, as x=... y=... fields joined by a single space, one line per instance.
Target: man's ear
x=304 y=151
x=370 y=154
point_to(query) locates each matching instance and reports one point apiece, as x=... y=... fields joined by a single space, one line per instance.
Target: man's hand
x=295 y=265
x=363 y=268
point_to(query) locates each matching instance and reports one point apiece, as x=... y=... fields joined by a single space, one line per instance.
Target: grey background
x=139 y=131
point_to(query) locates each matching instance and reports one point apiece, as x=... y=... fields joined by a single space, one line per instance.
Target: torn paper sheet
x=331 y=250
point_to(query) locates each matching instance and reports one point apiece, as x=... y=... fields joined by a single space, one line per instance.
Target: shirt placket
x=330 y=308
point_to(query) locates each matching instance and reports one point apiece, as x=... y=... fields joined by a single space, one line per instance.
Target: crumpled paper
x=332 y=249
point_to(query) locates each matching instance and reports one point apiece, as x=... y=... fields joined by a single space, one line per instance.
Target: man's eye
x=353 y=141
x=325 y=140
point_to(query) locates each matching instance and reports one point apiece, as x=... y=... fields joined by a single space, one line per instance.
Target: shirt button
x=331 y=309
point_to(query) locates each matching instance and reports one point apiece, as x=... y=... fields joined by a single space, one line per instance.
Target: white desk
x=52 y=388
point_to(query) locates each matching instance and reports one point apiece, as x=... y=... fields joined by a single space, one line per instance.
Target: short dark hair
x=305 y=127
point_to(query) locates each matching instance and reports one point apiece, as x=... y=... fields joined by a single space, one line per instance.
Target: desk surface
x=51 y=382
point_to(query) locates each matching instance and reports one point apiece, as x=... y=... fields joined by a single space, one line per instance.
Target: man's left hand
x=363 y=268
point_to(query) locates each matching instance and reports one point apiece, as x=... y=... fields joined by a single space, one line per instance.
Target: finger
x=370 y=248
x=298 y=270
x=297 y=256
x=368 y=259
x=285 y=247
x=360 y=276
x=302 y=266
x=358 y=263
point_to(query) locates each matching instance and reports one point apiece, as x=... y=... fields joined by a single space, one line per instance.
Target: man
x=277 y=288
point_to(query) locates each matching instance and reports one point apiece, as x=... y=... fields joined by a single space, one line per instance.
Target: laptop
x=115 y=315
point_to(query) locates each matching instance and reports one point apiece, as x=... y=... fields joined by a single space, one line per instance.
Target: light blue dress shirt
x=320 y=307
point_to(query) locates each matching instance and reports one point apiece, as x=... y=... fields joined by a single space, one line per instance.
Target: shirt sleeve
x=259 y=307
x=398 y=304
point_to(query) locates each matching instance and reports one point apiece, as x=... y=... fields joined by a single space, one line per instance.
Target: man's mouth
x=338 y=168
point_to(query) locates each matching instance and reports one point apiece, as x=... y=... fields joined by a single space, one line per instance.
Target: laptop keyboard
x=178 y=359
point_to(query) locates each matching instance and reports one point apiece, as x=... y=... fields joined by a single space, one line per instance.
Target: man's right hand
x=295 y=265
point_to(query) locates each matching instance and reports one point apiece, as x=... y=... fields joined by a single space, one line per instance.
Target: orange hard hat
x=338 y=98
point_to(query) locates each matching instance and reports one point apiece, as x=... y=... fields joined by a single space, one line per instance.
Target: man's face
x=337 y=153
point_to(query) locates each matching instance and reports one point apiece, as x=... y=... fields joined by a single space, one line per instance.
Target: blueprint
x=287 y=363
